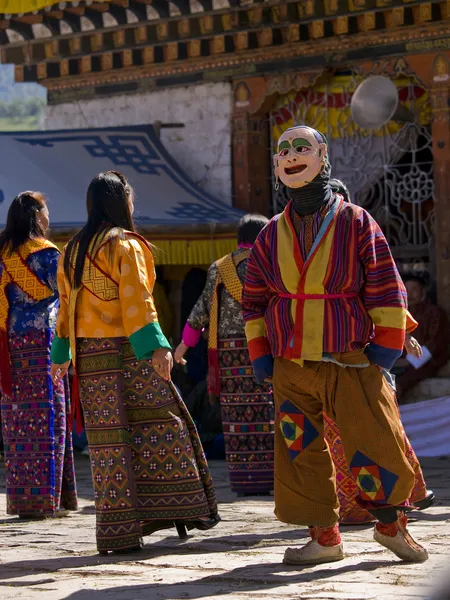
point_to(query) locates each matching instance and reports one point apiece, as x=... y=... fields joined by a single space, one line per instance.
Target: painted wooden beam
x=74 y=21
x=161 y=7
x=24 y=29
x=183 y=6
x=119 y=13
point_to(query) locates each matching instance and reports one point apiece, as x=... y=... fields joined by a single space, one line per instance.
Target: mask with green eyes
x=300 y=156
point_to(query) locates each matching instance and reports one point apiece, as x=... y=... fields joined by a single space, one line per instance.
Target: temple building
x=230 y=75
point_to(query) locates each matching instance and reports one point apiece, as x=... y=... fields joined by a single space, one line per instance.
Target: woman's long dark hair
x=108 y=202
x=22 y=221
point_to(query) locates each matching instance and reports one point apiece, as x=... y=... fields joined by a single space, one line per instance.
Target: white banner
x=427 y=425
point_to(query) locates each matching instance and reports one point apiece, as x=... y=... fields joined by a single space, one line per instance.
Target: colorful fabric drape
x=40 y=476
x=247 y=420
x=148 y=467
x=326 y=107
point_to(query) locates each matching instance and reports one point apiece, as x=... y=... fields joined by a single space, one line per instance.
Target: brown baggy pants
x=363 y=405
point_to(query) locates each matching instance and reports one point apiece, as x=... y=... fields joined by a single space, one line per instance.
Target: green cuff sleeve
x=60 y=352
x=148 y=339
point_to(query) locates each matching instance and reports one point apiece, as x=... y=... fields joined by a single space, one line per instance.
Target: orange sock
x=326 y=536
x=391 y=529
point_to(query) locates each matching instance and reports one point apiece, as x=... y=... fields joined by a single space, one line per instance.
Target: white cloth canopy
x=61 y=164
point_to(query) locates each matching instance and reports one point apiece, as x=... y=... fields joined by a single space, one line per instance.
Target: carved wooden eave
x=143 y=44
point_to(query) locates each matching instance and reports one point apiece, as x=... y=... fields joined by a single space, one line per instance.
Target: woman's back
x=115 y=298
x=135 y=420
x=40 y=478
x=28 y=279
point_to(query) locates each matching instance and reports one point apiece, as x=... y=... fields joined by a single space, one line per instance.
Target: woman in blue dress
x=40 y=478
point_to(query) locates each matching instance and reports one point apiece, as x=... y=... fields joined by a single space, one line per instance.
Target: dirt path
x=239 y=560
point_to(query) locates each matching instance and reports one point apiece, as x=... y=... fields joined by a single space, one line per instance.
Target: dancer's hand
x=162 y=362
x=58 y=372
x=180 y=352
x=412 y=346
x=263 y=368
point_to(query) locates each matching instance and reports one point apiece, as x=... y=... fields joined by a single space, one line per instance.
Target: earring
x=277 y=184
x=322 y=168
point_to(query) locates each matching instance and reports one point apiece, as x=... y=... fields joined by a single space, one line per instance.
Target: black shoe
x=181 y=530
x=426 y=502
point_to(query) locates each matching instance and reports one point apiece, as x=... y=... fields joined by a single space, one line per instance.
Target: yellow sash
x=228 y=277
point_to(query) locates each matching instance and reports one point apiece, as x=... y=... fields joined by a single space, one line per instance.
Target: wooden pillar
x=251 y=163
x=440 y=94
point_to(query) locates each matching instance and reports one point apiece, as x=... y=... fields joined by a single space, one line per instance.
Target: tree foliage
x=31 y=107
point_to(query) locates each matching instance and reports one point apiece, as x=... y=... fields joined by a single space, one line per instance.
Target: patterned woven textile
x=350 y=511
x=248 y=420
x=148 y=467
x=40 y=476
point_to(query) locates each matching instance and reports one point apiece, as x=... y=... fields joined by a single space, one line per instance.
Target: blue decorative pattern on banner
x=138 y=148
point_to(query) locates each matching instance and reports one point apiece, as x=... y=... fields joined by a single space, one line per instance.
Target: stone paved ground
x=238 y=560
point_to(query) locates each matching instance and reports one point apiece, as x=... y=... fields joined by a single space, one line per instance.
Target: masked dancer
x=325 y=311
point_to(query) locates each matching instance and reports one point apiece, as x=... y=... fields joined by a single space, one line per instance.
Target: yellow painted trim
x=314 y=310
x=14 y=7
x=188 y=251
x=255 y=329
x=392 y=317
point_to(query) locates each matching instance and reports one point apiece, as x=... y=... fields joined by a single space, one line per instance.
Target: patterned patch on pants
x=374 y=482
x=298 y=431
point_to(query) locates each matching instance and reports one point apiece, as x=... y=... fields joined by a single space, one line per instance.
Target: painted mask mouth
x=294 y=170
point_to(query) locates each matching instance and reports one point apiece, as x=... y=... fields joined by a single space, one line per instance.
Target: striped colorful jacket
x=348 y=295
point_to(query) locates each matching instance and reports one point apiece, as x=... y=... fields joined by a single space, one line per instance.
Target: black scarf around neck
x=310 y=198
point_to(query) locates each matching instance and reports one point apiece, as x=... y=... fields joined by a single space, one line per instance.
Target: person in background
x=40 y=477
x=247 y=406
x=339 y=187
x=148 y=466
x=350 y=512
x=432 y=333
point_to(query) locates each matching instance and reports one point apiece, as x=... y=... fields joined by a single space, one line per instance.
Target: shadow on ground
x=250 y=578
